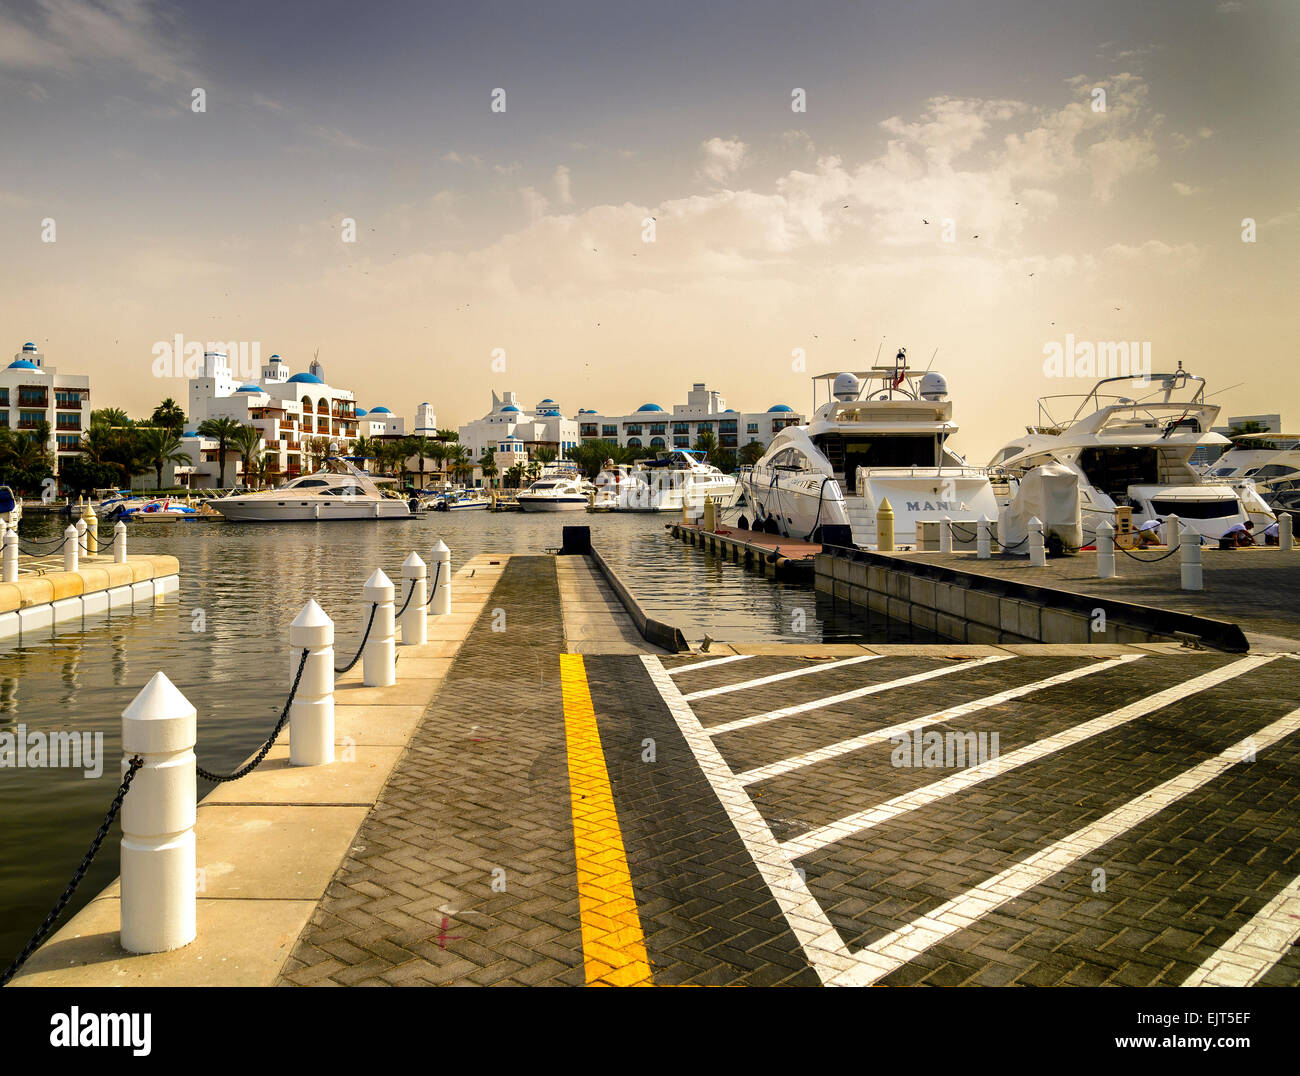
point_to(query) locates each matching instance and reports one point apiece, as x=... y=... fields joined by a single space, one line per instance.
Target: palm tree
x=159 y=446
x=438 y=454
x=223 y=431
x=110 y=416
x=249 y=443
x=105 y=446
x=545 y=455
x=513 y=476
x=461 y=466
x=488 y=465
x=750 y=454
x=318 y=450
x=419 y=447
x=447 y=436
x=708 y=444
x=168 y=415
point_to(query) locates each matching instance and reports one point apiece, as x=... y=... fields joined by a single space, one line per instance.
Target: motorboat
x=339 y=491
x=679 y=478
x=882 y=435
x=1263 y=464
x=462 y=500
x=1130 y=440
x=612 y=481
x=156 y=510
x=556 y=493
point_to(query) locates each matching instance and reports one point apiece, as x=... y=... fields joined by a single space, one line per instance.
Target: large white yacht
x=881 y=434
x=556 y=493
x=1129 y=441
x=343 y=493
x=680 y=477
x=1266 y=465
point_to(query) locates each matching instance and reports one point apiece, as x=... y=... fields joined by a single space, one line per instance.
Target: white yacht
x=328 y=495
x=556 y=493
x=611 y=483
x=1263 y=465
x=681 y=477
x=881 y=435
x=1129 y=441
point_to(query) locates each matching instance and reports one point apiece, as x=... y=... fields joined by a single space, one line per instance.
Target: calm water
x=242 y=584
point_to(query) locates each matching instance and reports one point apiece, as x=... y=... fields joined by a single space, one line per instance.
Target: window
x=751 y=427
x=681 y=442
x=657 y=442
x=633 y=428
x=634 y=442
x=658 y=427
x=609 y=431
x=681 y=427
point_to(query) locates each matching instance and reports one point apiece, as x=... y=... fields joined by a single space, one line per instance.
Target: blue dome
x=190 y=433
x=248 y=388
x=548 y=400
x=305 y=379
x=275 y=358
x=380 y=411
x=361 y=411
x=779 y=407
x=511 y=407
x=649 y=407
x=22 y=364
x=729 y=411
x=29 y=346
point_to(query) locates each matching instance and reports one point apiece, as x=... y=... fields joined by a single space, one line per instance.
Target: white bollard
x=1285 y=540
x=81 y=533
x=119 y=543
x=1190 y=558
x=379 y=662
x=415 y=627
x=945 y=535
x=1106 y=550
x=984 y=539
x=10 y=556
x=158 y=865
x=441 y=599
x=92 y=528
x=70 y=549
x=1173 y=531
x=311 y=714
x=1037 y=548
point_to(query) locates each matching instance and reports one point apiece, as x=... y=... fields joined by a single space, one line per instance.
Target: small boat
x=556 y=494
x=463 y=500
x=156 y=510
x=680 y=478
x=345 y=493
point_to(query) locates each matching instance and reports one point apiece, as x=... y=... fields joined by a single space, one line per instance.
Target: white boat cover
x=1051 y=493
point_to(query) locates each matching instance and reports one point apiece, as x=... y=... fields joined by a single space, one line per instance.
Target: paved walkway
x=1257 y=589
x=1120 y=815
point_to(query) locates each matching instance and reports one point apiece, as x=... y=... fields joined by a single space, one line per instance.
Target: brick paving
x=483 y=794
x=1257 y=589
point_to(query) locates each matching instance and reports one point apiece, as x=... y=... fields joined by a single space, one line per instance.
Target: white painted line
x=843 y=747
x=707 y=664
x=897 y=948
x=822 y=945
x=1245 y=957
x=845 y=696
x=959 y=782
x=780 y=676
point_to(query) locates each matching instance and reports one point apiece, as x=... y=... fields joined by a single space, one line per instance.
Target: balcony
x=28 y=424
x=64 y=404
x=32 y=400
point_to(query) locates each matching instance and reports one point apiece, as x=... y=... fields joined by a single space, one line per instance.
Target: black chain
x=362 y=648
x=1148 y=560
x=409 y=594
x=243 y=771
x=36 y=939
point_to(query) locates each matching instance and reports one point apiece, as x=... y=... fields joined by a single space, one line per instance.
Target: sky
x=509 y=249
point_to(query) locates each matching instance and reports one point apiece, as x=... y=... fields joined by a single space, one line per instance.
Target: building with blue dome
x=519 y=433
x=650 y=426
x=32 y=392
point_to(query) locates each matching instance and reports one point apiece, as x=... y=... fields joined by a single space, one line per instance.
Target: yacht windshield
x=1113 y=470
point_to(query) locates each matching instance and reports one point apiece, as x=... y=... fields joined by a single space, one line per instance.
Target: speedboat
x=677 y=479
x=1259 y=466
x=155 y=511
x=1130 y=441
x=556 y=493
x=881 y=435
x=462 y=500
x=611 y=483
x=343 y=493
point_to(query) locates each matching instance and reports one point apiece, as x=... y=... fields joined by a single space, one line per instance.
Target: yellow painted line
x=613 y=945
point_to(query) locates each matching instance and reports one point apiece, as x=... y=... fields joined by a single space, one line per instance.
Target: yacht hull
x=552 y=504
x=310 y=511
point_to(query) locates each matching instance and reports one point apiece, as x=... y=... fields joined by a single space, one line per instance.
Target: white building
x=650 y=426
x=379 y=422
x=289 y=410
x=512 y=432
x=32 y=392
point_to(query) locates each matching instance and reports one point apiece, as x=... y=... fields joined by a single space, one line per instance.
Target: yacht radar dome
x=934 y=386
x=847 y=387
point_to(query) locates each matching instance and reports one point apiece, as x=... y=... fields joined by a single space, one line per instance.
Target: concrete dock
x=545 y=799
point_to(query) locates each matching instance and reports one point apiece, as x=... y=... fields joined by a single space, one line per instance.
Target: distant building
x=32 y=392
x=650 y=426
x=511 y=431
x=1209 y=453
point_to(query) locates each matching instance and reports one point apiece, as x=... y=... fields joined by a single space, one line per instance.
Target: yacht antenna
x=1228 y=389
x=878 y=347
x=931 y=362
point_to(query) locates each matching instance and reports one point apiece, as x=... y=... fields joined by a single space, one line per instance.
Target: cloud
x=336 y=138
x=563 y=191
x=723 y=158
x=1227 y=7
x=1186 y=189
x=73 y=36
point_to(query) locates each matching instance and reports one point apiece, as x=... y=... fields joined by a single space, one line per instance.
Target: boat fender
x=742 y=523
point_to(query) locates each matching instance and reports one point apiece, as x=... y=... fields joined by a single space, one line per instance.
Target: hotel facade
x=32 y=392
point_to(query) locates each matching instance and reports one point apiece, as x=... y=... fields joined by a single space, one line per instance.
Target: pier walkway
x=798 y=815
